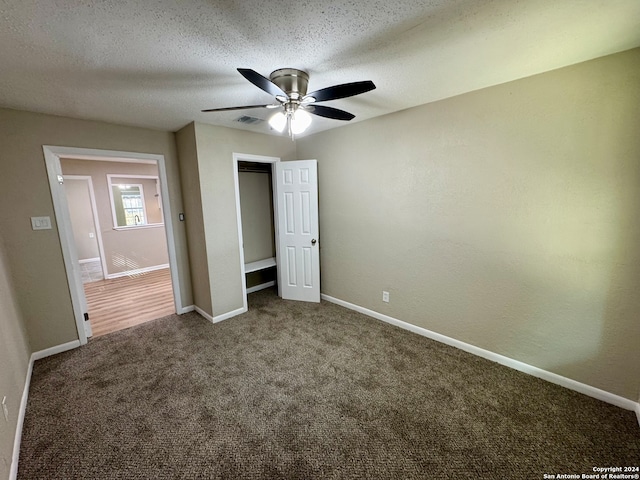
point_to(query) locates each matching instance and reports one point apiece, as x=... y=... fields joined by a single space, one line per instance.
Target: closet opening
x=257 y=219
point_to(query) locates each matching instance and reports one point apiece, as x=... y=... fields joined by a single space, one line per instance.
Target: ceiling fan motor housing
x=292 y=81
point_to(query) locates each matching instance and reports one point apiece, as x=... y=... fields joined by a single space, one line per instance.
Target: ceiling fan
x=289 y=87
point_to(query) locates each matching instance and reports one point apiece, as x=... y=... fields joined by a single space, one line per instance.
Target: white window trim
x=110 y=177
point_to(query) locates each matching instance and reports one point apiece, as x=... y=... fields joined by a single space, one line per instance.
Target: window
x=135 y=201
x=128 y=201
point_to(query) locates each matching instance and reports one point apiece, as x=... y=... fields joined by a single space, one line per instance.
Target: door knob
x=313 y=241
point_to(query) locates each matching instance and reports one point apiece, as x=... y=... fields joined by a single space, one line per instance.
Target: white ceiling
x=157 y=63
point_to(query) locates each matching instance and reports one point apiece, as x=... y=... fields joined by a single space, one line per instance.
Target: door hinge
x=86 y=317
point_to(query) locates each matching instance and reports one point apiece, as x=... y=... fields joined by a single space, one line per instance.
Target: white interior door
x=296 y=187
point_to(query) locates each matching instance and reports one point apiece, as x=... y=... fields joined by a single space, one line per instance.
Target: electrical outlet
x=385 y=296
x=5 y=410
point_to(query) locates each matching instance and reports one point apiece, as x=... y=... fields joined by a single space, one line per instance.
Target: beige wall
x=81 y=213
x=35 y=257
x=506 y=218
x=131 y=248
x=194 y=221
x=14 y=358
x=214 y=156
x=256 y=204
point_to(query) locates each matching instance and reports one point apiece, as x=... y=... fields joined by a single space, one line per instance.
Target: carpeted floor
x=301 y=391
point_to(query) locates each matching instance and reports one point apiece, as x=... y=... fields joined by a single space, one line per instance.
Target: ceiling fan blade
x=329 y=112
x=262 y=82
x=238 y=108
x=341 y=91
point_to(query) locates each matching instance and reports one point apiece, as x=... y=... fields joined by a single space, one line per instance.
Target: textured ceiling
x=157 y=63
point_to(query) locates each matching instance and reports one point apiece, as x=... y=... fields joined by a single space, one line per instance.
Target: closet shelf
x=259 y=265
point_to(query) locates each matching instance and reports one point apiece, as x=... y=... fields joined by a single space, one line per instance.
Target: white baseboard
x=262 y=286
x=228 y=315
x=216 y=319
x=47 y=352
x=137 y=271
x=495 y=357
x=13 y=473
x=89 y=260
x=203 y=313
x=220 y=318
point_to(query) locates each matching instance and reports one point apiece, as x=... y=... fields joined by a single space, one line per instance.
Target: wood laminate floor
x=127 y=301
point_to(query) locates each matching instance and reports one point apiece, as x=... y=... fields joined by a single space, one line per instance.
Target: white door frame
x=52 y=155
x=96 y=220
x=246 y=157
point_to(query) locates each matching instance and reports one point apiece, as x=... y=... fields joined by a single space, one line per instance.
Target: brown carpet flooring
x=300 y=391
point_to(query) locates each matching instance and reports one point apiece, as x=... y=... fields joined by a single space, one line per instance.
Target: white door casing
x=52 y=155
x=296 y=187
x=245 y=157
x=94 y=212
x=98 y=234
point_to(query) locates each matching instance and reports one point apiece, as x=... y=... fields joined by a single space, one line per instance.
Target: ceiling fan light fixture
x=278 y=121
x=300 y=121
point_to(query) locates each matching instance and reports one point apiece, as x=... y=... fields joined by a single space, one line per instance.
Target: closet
x=258 y=231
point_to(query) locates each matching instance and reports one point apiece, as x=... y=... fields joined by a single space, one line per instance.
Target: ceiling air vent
x=247 y=120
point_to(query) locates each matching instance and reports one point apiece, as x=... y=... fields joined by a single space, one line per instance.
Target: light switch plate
x=41 y=223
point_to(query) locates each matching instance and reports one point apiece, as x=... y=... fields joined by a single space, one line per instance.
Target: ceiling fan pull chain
x=289 y=126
